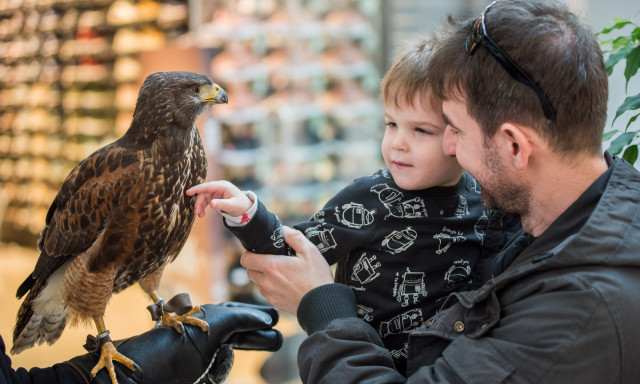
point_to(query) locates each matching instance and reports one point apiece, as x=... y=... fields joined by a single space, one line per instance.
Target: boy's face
x=412 y=147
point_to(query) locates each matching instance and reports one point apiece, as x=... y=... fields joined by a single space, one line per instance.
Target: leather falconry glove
x=164 y=356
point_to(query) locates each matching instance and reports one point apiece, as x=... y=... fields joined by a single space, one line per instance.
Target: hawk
x=120 y=217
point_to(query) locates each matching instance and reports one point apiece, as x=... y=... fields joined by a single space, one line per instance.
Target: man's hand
x=284 y=280
x=167 y=357
x=221 y=195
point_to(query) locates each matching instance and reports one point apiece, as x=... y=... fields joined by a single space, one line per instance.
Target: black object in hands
x=164 y=356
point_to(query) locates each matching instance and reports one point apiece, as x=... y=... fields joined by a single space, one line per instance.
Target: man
x=524 y=94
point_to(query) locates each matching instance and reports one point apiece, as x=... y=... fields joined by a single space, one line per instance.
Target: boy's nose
x=399 y=143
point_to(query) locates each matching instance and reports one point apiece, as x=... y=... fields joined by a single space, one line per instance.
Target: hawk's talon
x=108 y=355
x=177 y=321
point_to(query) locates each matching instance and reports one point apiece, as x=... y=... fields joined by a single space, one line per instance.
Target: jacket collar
x=615 y=219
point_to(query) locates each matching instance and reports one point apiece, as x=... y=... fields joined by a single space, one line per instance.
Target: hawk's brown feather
x=122 y=214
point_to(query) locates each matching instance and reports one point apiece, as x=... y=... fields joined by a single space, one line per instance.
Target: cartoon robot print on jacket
x=364 y=312
x=354 y=215
x=400 y=353
x=459 y=272
x=399 y=240
x=391 y=198
x=277 y=237
x=321 y=237
x=365 y=270
x=403 y=323
x=446 y=238
x=463 y=207
x=480 y=228
x=411 y=286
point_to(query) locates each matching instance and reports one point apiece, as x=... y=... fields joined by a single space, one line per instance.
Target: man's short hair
x=553 y=47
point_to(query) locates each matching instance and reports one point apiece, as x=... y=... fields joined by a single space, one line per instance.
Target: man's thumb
x=295 y=239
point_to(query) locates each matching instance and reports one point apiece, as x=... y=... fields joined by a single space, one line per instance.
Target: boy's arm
x=239 y=209
x=334 y=230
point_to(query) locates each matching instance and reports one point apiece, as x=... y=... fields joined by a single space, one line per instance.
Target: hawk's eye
x=196 y=89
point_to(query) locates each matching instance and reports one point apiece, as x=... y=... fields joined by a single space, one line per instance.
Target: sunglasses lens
x=475 y=37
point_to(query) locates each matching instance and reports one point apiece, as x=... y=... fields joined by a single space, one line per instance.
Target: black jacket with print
x=401 y=252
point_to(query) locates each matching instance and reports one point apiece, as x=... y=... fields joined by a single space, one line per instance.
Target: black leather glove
x=164 y=356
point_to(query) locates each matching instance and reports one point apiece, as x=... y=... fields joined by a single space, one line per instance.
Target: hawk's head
x=174 y=99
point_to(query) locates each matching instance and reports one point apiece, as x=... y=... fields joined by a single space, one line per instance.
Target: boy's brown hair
x=407 y=76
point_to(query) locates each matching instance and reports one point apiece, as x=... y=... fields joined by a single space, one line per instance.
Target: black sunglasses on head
x=479 y=36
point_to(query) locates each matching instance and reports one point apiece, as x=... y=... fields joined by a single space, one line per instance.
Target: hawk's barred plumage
x=122 y=214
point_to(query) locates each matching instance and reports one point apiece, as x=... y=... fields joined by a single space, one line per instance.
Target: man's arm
x=541 y=333
x=303 y=285
x=283 y=281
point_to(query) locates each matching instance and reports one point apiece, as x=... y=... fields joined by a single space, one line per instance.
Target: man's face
x=481 y=157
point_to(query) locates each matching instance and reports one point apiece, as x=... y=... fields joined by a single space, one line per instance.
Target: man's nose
x=449 y=143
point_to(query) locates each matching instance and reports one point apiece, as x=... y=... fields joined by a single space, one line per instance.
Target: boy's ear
x=519 y=143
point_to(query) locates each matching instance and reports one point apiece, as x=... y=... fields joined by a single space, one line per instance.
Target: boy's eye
x=423 y=131
x=390 y=124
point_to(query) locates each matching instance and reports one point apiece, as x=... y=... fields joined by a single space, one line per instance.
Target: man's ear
x=517 y=139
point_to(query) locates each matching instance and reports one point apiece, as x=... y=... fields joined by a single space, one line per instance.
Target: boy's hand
x=220 y=195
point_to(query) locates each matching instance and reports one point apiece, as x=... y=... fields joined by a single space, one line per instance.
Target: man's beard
x=501 y=192
x=510 y=198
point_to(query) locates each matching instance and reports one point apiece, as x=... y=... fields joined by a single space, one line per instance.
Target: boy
x=404 y=237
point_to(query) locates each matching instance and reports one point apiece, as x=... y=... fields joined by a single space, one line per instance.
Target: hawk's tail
x=37 y=326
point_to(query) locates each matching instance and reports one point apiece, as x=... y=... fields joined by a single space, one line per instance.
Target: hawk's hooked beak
x=213 y=94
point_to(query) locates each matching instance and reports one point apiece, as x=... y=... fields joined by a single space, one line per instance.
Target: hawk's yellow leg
x=109 y=354
x=176 y=321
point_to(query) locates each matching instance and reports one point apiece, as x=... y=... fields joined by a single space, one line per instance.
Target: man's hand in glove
x=164 y=356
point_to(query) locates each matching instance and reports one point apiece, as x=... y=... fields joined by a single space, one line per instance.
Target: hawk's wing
x=90 y=195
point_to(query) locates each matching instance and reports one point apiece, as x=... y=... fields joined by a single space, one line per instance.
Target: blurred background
x=304 y=118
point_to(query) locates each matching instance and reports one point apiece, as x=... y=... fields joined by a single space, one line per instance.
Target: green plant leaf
x=608 y=135
x=622 y=42
x=619 y=23
x=633 y=63
x=630 y=103
x=631 y=120
x=615 y=57
x=620 y=142
x=631 y=154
